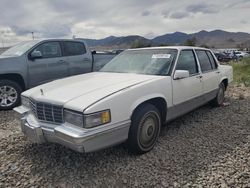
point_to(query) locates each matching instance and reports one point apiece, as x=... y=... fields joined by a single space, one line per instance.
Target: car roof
x=170 y=47
x=58 y=39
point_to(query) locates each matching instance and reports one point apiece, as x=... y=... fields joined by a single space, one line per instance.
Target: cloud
x=202 y=8
x=165 y=13
x=239 y=3
x=150 y=35
x=47 y=30
x=243 y=22
x=99 y=19
x=179 y=15
x=146 y=13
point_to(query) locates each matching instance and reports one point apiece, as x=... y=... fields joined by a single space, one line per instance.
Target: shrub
x=242 y=72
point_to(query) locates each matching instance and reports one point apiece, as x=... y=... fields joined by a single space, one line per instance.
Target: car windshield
x=19 y=49
x=144 y=61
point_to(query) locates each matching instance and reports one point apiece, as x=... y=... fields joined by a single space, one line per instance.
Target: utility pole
x=32 y=35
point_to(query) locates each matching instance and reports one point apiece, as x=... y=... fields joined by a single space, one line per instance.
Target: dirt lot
x=209 y=147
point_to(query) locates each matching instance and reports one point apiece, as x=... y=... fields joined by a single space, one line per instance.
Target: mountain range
x=212 y=39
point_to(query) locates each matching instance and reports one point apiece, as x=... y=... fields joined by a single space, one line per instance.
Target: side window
x=50 y=49
x=74 y=48
x=187 y=61
x=212 y=60
x=204 y=60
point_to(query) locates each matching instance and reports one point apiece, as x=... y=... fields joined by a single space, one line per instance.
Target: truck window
x=204 y=60
x=50 y=49
x=187 y=62
x=74 y=48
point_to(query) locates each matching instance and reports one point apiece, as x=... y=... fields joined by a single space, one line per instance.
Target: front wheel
x=145 y=129
x=10 y=93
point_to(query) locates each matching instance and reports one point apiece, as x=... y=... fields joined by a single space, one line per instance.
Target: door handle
x=86 y=59
x=200 y=76
x=61 y=61
x=218 y=72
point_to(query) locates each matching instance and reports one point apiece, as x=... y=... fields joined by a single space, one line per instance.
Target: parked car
x=32 y=63
x=128 y=100
x=240 y=54
x=223 y=57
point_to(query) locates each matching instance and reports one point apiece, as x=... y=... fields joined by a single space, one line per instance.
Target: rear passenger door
x=209 y=70
x=79 y=59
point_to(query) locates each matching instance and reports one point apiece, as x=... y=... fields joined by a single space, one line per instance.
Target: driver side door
x=49 y=67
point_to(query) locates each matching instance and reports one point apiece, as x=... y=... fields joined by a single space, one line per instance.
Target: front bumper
x=76 y=138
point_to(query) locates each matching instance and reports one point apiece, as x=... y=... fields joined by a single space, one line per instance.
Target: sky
x=99 y=19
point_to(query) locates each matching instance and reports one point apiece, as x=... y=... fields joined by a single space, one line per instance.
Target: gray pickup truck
x=32 y=63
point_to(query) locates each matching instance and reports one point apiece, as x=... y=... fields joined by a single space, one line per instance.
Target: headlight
x=89 y=120
x=96 y=119
x=74 y=118
x=25 y=101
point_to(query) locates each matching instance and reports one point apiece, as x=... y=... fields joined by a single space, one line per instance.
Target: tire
x=144 y=130
x=220 y=97
x=10 y=93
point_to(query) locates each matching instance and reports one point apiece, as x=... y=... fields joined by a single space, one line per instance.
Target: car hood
x=79 y=92
x=7 y=59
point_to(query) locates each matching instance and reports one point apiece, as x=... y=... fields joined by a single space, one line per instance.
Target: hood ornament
x=41 y=91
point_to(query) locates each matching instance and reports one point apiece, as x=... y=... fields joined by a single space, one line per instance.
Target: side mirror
x=36 y=55
x=93 y=52
x=180 y=74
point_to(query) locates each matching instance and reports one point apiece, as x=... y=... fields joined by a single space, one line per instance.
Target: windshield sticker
x=161 y=56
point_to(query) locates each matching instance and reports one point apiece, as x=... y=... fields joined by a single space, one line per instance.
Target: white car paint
x=123 y=92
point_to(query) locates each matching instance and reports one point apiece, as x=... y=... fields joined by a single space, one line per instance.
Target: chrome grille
x=47 y=112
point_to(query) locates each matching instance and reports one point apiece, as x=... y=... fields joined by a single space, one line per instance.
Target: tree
x=190 y=42
x=140 y=44
x=205 y=46
x=163 y=44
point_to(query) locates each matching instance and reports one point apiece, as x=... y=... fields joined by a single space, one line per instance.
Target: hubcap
x=8 y=96
x=148 y=130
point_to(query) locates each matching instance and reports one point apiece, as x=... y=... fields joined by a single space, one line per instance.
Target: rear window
x=74 y=48
x=204 y=60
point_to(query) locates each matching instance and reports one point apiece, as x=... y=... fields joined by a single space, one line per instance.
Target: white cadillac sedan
x=128 y=100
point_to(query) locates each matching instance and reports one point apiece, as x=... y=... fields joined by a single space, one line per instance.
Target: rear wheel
x=220 y=97
x=10 y=93
x=145 y=129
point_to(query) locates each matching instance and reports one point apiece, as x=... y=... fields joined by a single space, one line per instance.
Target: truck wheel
x=9 y=94
x=144 y=130
x=220 y=97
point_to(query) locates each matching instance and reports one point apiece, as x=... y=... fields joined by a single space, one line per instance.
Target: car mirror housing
x=180 y=74
x=36 y=55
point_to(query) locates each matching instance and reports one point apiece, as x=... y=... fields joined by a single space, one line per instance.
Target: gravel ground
x=209 y=147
